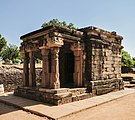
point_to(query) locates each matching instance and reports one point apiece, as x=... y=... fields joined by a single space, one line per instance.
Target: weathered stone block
x=62 y=95
x=54 y=91
x=84 y=96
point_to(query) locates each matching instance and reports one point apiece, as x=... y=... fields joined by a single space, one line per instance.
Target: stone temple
x=76 y=64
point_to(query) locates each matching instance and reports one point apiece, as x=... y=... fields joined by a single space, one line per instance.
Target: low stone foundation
x=53 y=96
x=100 y=87
x=67 y=95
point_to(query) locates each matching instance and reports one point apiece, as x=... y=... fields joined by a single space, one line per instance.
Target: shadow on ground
x=7 y=106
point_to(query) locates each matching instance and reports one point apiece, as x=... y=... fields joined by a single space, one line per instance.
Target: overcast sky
x=18 y=17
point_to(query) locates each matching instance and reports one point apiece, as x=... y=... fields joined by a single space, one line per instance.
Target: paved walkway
x=59 y=112
x=12 y=113
x=120 y=109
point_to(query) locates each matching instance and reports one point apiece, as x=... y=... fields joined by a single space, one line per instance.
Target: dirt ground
x=11 y=113
x=121 y=109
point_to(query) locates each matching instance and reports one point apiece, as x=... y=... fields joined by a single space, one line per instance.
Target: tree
x=11 y=53
x=56 y=22
x=133 y=61
x=3 y=43
x=126 y=59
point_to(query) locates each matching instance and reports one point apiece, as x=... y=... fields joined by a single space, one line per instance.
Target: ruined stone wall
x=11 y=77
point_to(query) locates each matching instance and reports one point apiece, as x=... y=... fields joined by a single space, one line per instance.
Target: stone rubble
x=11 y=77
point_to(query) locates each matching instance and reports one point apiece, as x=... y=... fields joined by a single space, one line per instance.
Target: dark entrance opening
x=67 y=71
x=69 y=68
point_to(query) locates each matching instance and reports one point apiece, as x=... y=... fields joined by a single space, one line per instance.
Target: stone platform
x=53 y=96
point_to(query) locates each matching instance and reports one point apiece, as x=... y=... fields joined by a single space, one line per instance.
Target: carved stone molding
x=55 y=42
x=76 y=46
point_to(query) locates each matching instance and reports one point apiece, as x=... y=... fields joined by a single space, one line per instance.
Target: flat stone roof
x=55 y=28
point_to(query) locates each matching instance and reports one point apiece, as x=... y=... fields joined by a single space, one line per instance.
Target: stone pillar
x=77 y=49
x=32 y=76
x=54 y=81
x=45 y=68
x=25 y=69
x=78 y=68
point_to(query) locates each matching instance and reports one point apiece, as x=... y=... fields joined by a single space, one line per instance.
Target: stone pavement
x=8 y=112
x=57 y=112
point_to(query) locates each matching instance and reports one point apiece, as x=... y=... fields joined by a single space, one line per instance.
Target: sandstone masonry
x=87 y=58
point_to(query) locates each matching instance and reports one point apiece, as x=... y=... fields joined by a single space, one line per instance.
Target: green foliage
x=3 y=43
x=127 y=60
x=133 y=61
x=56 y=22
x=11 y=53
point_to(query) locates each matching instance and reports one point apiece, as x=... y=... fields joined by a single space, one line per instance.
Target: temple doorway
x=69 y=69
x=66 y=67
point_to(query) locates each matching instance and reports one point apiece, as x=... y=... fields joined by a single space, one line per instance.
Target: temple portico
x=51 y=46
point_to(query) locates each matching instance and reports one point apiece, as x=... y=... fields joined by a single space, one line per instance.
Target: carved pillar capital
x=55 y=42
x=44 y=51
x=76 y=46
x=55 y=51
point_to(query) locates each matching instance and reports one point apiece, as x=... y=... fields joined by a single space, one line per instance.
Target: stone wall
x=11 y=77
x=104 y=60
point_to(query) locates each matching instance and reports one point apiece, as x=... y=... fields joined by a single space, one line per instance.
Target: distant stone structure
x=76 y=64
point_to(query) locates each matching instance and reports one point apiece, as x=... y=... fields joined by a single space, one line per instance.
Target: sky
x=18 y=17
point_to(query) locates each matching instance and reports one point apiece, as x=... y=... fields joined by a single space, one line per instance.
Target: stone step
x=81 y=96
x=127 y=78
x=62 y=98
x=132 y=82
x=54 y=91
x=77 y=91
x=62 y=95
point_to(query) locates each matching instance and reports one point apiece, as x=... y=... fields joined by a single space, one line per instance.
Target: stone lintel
x=65 y=36
x=38 y=34
x=44 y=47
